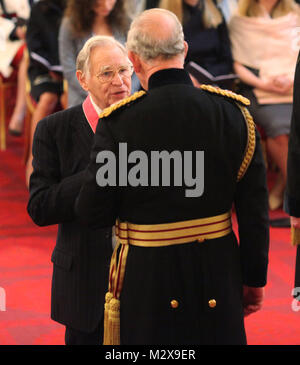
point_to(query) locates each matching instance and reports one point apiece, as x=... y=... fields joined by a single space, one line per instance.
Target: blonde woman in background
x=264 y=45
x=206 y=33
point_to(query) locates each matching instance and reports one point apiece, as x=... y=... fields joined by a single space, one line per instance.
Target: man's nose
x=117 y=79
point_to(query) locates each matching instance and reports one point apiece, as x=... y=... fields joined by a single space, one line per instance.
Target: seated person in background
x=44 y=70
x=13 y=17
x=265 y=53
x=206 y=33
x=61 y=152
x=82 y=20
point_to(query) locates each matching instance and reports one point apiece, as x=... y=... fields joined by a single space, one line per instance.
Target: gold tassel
x=111 y=320
x=295 y=236
x=108 y=298
x=114 y=321
x=111 y=334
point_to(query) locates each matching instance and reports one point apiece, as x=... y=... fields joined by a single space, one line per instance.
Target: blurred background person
x=44 y=70
x=292 y=196
x=84 y=19
x=265 y=52
x=206 y=33
x=13 y=17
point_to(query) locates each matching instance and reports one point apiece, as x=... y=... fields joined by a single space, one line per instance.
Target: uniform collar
x=169 y=76
x=91 y=112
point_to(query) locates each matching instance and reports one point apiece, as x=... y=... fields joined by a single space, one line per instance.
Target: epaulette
x=241 y=102
x=107 y=111
x=228 y=93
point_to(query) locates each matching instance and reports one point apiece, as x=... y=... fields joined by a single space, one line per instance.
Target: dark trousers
x=75 y=337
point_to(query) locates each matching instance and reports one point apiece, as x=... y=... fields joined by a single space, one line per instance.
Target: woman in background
x=44 y=70
x=206 y=32
x=83 y=19
x=264 y=45
x=13 y=18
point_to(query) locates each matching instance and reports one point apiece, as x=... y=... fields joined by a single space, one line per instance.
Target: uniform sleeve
x=292 y=196
x=52 y=197
x=251 y=204
x=96 y=205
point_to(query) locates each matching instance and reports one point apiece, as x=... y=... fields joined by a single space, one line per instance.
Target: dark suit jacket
x=61 y=151
x=176 y=116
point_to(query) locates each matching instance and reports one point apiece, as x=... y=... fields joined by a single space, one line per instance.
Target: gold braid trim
x=227 y=93
x=239 y=99
x=107 y=111
x=250 y=148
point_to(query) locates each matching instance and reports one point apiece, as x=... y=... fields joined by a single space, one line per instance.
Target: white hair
x=149 y=46
x=83 y=58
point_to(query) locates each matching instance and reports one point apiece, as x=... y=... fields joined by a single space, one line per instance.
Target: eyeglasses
x=107 y=73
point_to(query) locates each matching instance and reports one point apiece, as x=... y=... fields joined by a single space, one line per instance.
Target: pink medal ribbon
x=90 y=113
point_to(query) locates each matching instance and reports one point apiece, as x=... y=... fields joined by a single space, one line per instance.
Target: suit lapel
x=82 y=133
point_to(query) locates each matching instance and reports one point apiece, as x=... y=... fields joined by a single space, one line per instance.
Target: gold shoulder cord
x=241 y=102
x=228 y=93
x=107 y=111
x=249 y=151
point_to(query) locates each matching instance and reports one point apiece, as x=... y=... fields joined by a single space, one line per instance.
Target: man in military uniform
x=178 y=275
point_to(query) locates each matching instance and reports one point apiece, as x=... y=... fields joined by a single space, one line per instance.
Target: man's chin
x=118 y=96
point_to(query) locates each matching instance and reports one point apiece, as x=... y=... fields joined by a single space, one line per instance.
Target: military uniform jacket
x=174 y=115
x=81 y=256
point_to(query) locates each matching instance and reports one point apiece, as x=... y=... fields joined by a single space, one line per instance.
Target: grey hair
x=83 y=58
x=148 y=46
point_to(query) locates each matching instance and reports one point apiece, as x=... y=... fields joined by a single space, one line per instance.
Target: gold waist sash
x=151 y=235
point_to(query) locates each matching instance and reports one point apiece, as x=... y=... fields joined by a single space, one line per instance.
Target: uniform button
x=201 y=239
x=212 y=303
x=174 y=303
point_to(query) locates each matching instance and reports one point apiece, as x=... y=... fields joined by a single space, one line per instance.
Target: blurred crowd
x=256 y=40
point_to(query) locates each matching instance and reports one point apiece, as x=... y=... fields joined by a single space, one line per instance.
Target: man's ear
x=81 y=79
x=134 y=58
x=186 y=48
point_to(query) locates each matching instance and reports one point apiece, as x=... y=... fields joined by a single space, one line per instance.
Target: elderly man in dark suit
x=168 y=164
x=61 y=151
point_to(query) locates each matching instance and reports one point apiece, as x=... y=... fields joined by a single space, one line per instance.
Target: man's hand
x=252 y=299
